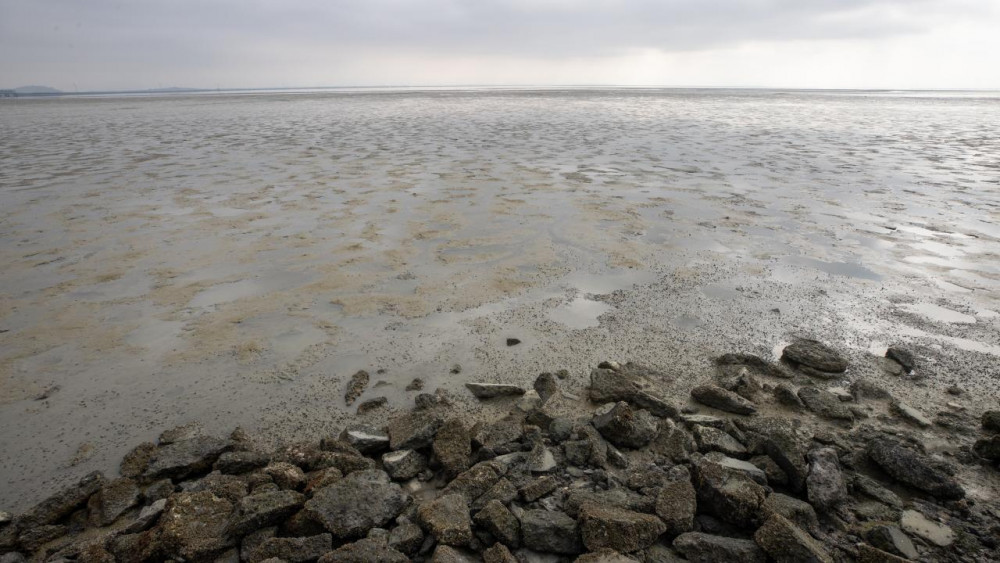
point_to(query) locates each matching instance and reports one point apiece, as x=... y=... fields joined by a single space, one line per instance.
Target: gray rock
x=364 y=551
x=917 y=524
x=825 y=483
x=413 y=431
x=290 y=477
x=787 y=543
x=914 y=469
x=676 y=504
x=824 y=403
x=864 y=389
x=540 y=459
x=546 y=386
x=356 y=386
x=693 y=420
x=988 y=448
x=234 y=463
x=728 y=494
x=786 y=395
x=991 y=421
x=751 y=470
x=777 y=438
x=754 y=363
x=902 y=357
x=550 y=532
x=502 y=491
x=491 y=390
x=344 y=462
x=697 y=547
x=147 y=516
x=136 y=461
x=447 y=519
x=13 y=557
x=619 y=497
x=799 y=512
x=187 y=457
x=292 y=550
x=403 y=465
x=538 y=488
x=910 y=414
x=112 y=501
x=816 y=355
x=722 y=399
x=358 y=502
x=406 y=538
x=775 y=475
x=265 y=509
x=366 y=439
x=193 y=526
x=657 y=406
x=674 y=442
x=452 y=447
x=715 y=440
x=872 y=488
x=612 y=386
x=618 y=529
x=869 y=554
x=623 y=426
x=180 y=433
x=500 y=436
x=892 y=540
x=64 y=502
x=475 y=482
x=497 y=520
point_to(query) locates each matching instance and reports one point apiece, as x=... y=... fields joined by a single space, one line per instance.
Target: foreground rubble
x=782 y=469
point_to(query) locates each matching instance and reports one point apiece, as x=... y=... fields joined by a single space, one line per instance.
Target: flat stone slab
x=815 y=355
x=491 y=390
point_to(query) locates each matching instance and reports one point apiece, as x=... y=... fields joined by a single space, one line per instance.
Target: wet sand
x=233 y=260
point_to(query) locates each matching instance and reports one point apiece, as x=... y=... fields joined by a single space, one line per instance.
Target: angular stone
x=693 y=420
x=722 y=399
x=753 y=363
x=917 y=524
x=502 y=491
x=774 y=474
x=193 y=525
x=136 y=461
x=473 y=483
x=112 y=501
x=902 y=357
x=619 y=497
x=497 y=520
x=864 y=389
x=180 y=433
x=991 y=421
x=697 y=547
x=751 y=470
x=550 y=532
x=676 y=505
x=447 y=554
x=872 y=488
x=234 y=463
x=910 y=414
x=540 y=459
x=869 y=554
x=892 y=540
x=612 y=386
x=816 y=355
x=800 y=513
x=492 y=390
x=614 y=528
x=403 y=465
x=538 y=488
x=356 y=386
x=787 y=543
x=407 y=537
x=988 y=448
x=657 y=406
x=824 y=403
x=546 y=386
x=364 y=551
x=623 y=426
x=713 y=439
x=147 y=516
x=447 y=519
x=187 y=457
x=366 y=439
x=777 y=438
x=262 y=510
x=358 y=502
x=914 y=469
x=290 y=477
x=674 y=442
x=825 y=483
x=344 y=462
x=499 y=436
x=64 y=502
x=786 y=395
x=452 y=447
x=728 y=494
x=413 y=431
x=292 y=550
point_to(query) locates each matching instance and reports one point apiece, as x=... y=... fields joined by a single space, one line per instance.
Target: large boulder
x=618 y=529
x=550 y=532
x=186 y=457
x=722 y=399
x=194 y=526
x=697 y=547
x=447 y=519
x=357 y=503
x=914 y=469
x=453 y=446
x=625 y=427
x=825 y=484
x=264 y=509
x=815 y=355
x=787 y=543
x=727 y=494
x=676 y=504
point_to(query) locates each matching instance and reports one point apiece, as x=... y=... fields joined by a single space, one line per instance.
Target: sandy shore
x=233 y=260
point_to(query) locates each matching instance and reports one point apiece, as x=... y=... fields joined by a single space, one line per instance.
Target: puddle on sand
x=600 y=284
x=720 y=292
x=580 y=313
x=848 y=269
x=960 y=343
x=940 y=314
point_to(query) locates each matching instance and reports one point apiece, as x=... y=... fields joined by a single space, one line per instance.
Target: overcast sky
x=126 y=44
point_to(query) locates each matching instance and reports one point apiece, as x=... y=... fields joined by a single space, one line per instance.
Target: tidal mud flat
x=234 y=260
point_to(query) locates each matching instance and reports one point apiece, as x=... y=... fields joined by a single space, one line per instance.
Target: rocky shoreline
x=767 y=463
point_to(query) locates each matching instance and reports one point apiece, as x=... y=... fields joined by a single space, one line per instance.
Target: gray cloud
x=186 y=38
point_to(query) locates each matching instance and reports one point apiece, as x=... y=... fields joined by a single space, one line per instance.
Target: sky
x=88 y=45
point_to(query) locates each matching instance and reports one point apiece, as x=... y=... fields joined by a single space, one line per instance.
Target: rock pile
x=772 y=473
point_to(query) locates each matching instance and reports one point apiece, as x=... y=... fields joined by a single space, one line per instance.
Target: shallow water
x=233 y=258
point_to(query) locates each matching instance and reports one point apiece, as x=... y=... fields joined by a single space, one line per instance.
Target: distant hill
x=36 y=90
